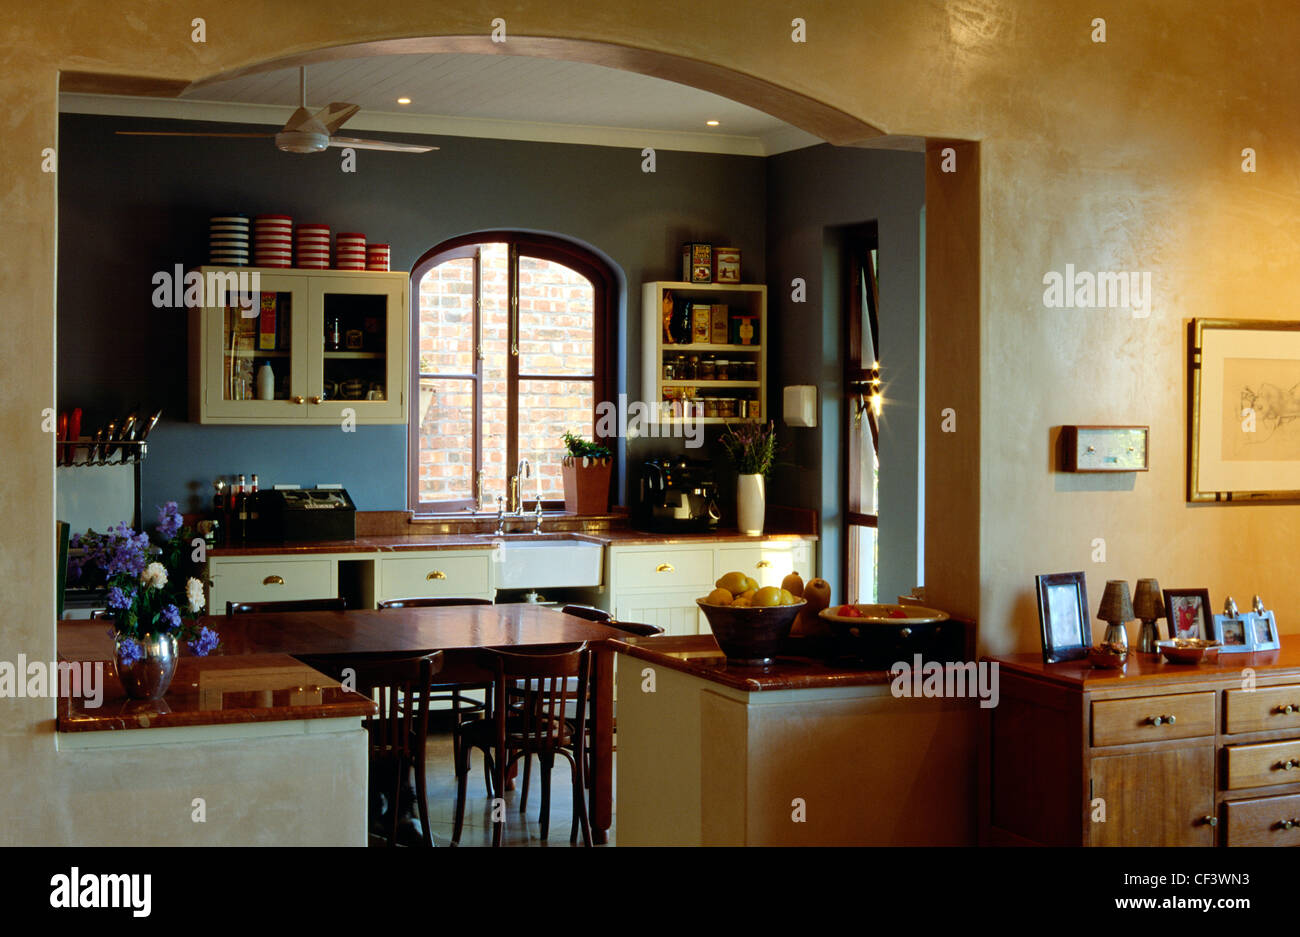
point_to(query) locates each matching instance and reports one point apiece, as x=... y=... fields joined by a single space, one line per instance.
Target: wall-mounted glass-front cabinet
x=314 y=346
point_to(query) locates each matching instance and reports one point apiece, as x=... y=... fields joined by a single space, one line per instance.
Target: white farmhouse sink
x=547 y=563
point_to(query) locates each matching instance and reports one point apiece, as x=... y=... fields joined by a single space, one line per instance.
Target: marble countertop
x=805 y=668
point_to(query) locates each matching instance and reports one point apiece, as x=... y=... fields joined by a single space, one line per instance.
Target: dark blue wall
x=130 y=206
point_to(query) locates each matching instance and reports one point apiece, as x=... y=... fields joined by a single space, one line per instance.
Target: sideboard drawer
x=1152 y=718
x=435 y=574
x=1262 y=709
x=669 y=567
x=271 y=580
x=1268 y=821
x=1264 y=764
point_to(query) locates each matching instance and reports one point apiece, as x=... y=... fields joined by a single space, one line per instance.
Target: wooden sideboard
x=1157 y=754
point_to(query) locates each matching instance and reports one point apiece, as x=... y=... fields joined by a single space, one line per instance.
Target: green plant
x=751 y=447
x=580 y=448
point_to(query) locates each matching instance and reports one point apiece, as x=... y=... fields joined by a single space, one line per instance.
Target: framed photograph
x=1264 y=625
x=1188 y=613
x=1063 y=616
x=1235 y=634
x=1245 y=410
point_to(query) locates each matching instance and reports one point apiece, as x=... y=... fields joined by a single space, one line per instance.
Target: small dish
x=1188 y=650
x=1105 y=657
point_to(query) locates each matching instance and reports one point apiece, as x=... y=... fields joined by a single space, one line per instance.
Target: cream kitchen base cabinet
x=658 y=585
x=270 y=579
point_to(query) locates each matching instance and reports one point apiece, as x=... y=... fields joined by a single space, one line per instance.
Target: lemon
x=751 y=585
x=747 y=595
x=732 y=582
x=741 y=602
x=788 y=597
x=718 y=597
x=767 y=596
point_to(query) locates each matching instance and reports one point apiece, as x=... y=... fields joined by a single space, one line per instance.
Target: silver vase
x=148 y=676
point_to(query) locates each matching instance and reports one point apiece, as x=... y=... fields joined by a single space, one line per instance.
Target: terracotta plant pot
x=586 y=485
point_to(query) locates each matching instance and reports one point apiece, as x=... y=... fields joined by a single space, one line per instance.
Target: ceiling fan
x=305 y=132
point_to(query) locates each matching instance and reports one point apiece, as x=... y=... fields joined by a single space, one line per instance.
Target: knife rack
x=88 y=452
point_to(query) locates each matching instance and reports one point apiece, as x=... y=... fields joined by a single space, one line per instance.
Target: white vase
x=751 y=504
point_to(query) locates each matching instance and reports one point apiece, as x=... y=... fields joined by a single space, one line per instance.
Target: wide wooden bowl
x=750 y=636
x=1188 y=654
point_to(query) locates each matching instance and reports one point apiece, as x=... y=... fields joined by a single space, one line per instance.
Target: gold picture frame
x=1244 y=437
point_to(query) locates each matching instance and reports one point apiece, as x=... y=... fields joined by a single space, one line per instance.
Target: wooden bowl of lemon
x=749 y=623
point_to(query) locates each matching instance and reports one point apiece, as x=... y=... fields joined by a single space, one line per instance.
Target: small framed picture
x=1264 y=627
x=1063 y=616
x=1188 y=613
x=1235 y=634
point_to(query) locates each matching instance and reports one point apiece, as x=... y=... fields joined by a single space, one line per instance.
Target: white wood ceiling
x=503 y=96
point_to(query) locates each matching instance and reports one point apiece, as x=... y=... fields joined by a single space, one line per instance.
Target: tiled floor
x=520 y=831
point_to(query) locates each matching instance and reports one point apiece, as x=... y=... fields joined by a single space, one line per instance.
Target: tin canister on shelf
x=726 y=264
x=697 y=263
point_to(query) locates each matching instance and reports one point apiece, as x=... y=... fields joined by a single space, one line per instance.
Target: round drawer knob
x=1156 y=720
x=1170 y=720
x=1288 y=709
x=436 y=574
x=273 y=581
x=1287 y=824
x=1210 y=820
x=297 y=398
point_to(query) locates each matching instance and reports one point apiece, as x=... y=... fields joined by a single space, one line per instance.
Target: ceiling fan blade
x=301 y=117
x=335 y=115
x=358 y=144
x=180 y=133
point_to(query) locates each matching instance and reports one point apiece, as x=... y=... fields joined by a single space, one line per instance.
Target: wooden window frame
x=860 y=379
x=604 y=351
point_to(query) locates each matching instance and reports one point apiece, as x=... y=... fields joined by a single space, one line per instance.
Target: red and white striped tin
x=377 y=257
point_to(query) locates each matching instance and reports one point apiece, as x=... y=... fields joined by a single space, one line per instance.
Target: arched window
x=512 y=348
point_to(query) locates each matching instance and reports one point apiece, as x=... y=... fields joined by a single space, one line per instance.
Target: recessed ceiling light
x=403 y=100
x=712 y=123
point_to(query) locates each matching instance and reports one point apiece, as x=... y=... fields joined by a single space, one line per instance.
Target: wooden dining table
x=459 y=631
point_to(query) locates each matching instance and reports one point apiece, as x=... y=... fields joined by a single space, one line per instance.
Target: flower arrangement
x=149 y=591
x=751 y=447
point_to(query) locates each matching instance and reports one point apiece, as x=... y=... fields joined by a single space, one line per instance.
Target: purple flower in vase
x=119 y=598
x=169 y=521
x=205 y=643
x=129 y=651
x=172 y=616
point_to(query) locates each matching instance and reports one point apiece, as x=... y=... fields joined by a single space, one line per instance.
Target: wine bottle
x=241 y=511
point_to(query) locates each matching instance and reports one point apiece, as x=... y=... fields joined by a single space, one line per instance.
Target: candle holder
x=1116 y=609
x=1149 y=606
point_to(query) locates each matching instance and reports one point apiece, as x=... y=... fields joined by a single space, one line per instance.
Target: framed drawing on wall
x=1063 y=616
x=1244 y=438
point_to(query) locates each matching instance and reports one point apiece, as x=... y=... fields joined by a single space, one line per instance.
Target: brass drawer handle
x=1288 y=764
x=1210 y=820
x=436 y=574
x=1162 y=720
x=273 y=581
x=664 y=568
x=763 y=564
x=1286 y=710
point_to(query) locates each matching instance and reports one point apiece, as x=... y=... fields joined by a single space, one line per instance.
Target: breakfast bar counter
x=801 y=752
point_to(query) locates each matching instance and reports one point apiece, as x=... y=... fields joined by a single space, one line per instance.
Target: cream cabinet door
x=365 y=379
x=438 y=573
x=269 y=579
x=767 y=563
x=673 y=611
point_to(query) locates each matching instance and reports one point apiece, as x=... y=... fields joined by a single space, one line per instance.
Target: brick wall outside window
x=556 y=320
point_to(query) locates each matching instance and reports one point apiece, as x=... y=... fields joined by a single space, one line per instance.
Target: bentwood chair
x=534 y=725
x=450 y=689
x=400 y=685
x=296 y=605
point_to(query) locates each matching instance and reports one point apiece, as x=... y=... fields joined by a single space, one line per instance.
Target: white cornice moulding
x=226 y=112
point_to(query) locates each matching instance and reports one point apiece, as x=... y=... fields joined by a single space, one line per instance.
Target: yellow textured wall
x=1115 y=156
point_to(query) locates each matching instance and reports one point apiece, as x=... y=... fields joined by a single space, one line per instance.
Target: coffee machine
x=676 y=494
